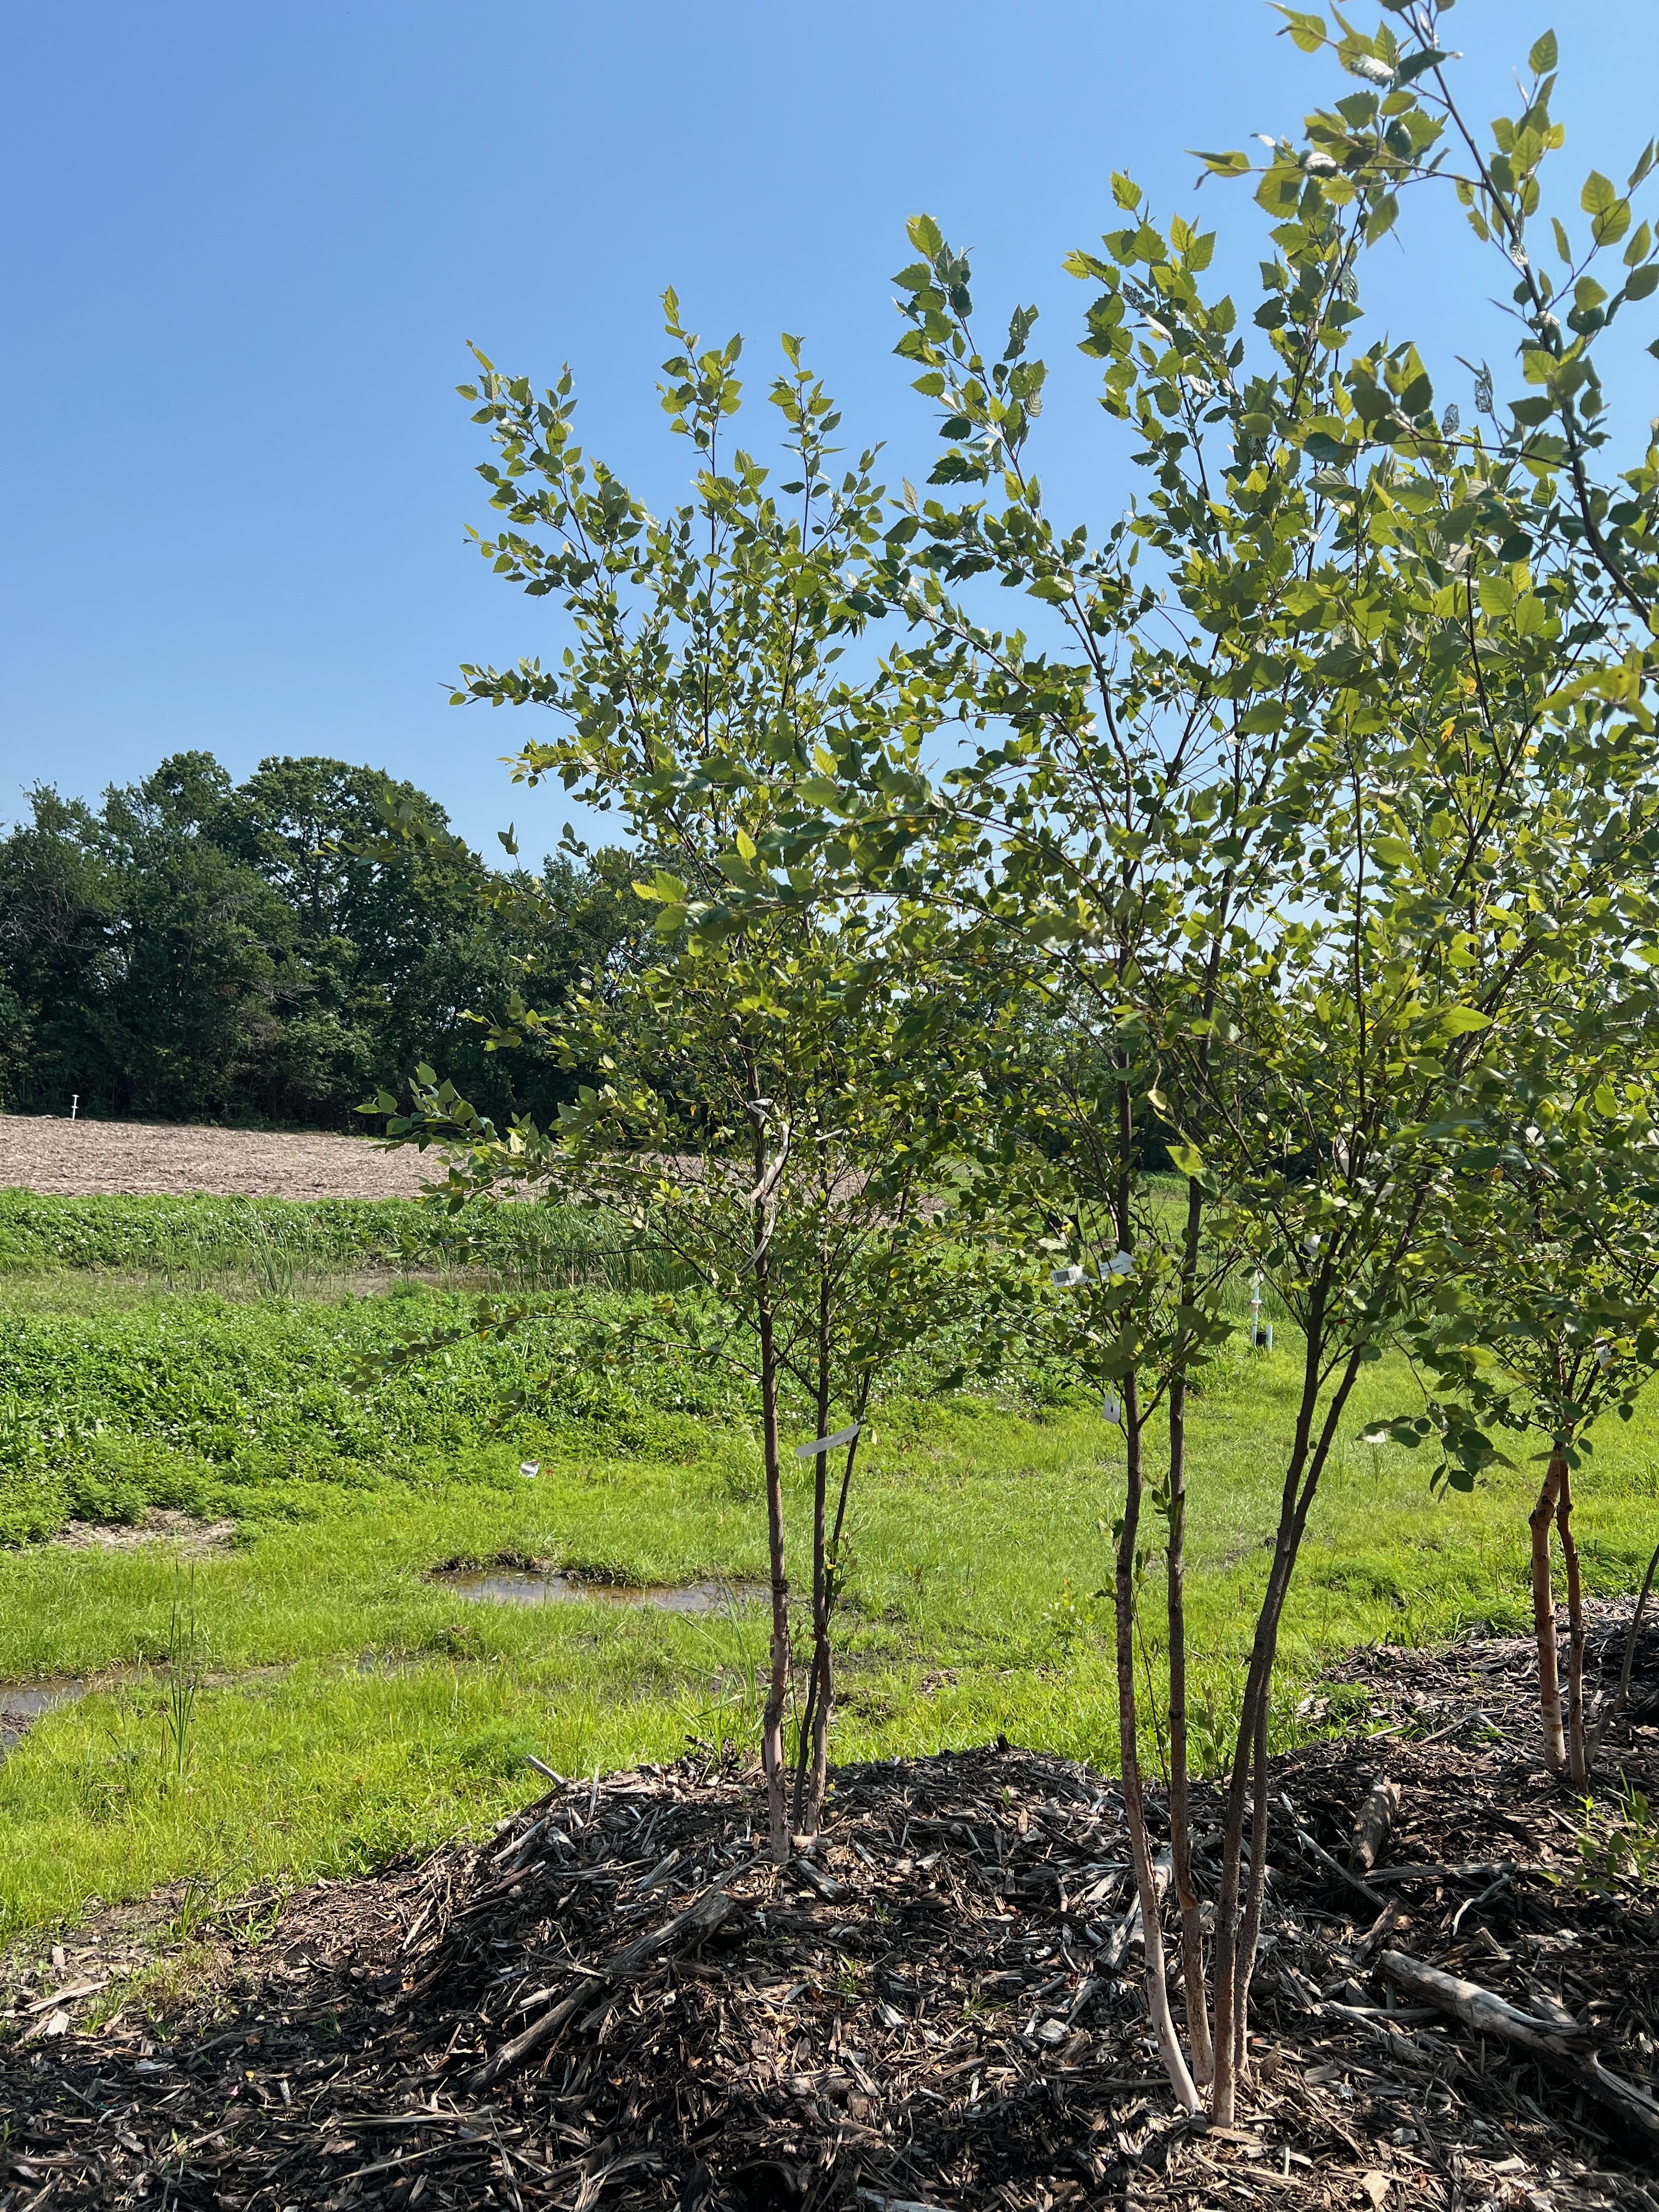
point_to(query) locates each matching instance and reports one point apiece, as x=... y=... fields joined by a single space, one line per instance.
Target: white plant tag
x=1112 y=1408
x=530 y=1468
x=1122 y=1263
x=828 y=1444
x=1067 y=1279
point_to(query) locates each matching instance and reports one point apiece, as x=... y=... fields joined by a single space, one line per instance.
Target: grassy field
x=353 y=1707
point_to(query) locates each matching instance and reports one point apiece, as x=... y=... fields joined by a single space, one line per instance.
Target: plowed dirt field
x=62 y=1158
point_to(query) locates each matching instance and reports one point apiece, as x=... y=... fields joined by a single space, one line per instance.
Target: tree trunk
x=1577 y=1757
x=813 y=1749
x=1251 y=1933
x=1181 y=1829
x=1236 y=1933
x=773 y=1761
x=820 y=1688
x=1543 y=1617
x=1152 y=1929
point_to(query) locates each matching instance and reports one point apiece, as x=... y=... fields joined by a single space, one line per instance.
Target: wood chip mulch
x=613 y=2002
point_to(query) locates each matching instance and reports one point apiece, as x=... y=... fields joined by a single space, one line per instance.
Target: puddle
x=541 y=1586
x=21 y=1703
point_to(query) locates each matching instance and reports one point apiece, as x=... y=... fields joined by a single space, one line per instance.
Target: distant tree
x=58 y=900
x=197 y=948
x=189 y=1013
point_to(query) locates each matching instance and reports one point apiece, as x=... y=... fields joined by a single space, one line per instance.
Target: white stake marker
x=828 y=1444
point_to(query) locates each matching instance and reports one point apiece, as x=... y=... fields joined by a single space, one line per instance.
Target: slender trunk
x=1577 y=1758
x=1135 y=1802
x=1250 y=1933
x=825 y=1678
x=1151 y=1928
x=815 y=1717
x=1192 y=1982
x=773 y=1757
x=1180 y=1831
x=1229 y=1945
x=820 y=1689
x=1543 y=1617
x=1234 y=1940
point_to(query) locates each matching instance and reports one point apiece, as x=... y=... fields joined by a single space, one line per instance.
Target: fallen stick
x=1322 y=1857
x=699 y=1919
x=1484 y=1896
x=1491 y=1867
x=1490 y=2014
x=1371 y=1827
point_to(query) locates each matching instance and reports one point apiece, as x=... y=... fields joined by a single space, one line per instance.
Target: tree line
x=269 y=952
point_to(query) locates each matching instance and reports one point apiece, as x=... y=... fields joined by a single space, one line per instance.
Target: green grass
x=355 y=1708
x=273 y=1246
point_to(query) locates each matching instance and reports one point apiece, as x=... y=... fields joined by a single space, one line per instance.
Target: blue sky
x=247 y=244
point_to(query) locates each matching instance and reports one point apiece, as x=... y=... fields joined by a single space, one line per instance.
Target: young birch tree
x=1544 y=1315
x=777 y=1092
x=1327 y=811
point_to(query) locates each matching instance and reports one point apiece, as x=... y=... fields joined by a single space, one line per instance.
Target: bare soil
x=61 y=1158
x=163 y=1525
x=940 y=2006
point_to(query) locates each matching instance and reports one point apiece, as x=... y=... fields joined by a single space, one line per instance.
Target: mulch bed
x=940 y=2006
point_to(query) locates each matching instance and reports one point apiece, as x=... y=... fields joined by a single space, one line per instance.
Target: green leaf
x=1124 y=190
x=1187 y=1159
x=1600 y=194
x=1305 y=31
x=1544 y=56
x=1458 y=1021
x=925 y=234
x=1391 y=851
x=1402 y=1430
x=1222 y=164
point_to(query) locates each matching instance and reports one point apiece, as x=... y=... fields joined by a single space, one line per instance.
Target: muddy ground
x=61 y=1158
x=941 y=2006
